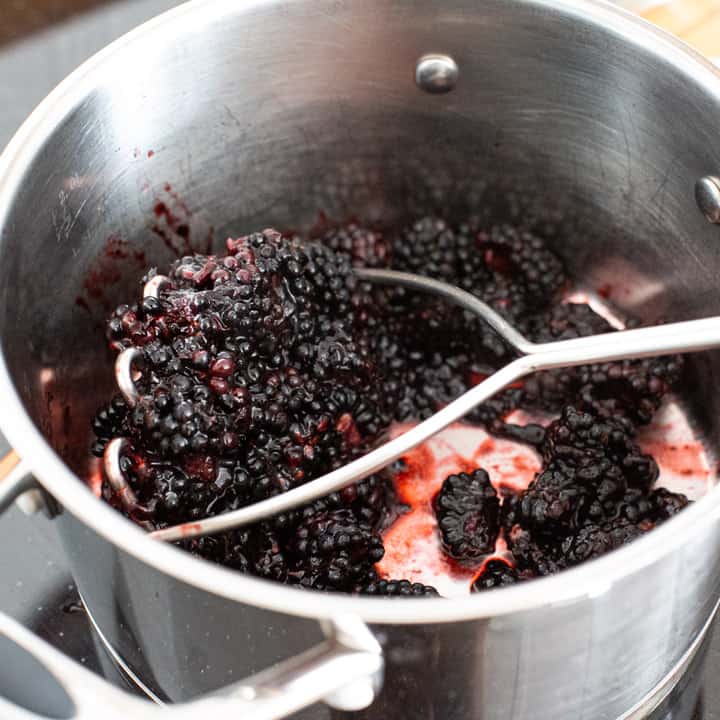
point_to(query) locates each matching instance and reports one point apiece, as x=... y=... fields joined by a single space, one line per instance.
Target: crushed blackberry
x=494 y=574
x=467 y=509
x=255 y=373
x=272 y=364
x=397 y=588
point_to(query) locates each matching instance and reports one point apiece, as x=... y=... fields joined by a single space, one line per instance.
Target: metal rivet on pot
x=707 y=196
x=436 y=73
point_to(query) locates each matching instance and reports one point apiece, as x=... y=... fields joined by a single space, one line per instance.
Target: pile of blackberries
x=274 y=363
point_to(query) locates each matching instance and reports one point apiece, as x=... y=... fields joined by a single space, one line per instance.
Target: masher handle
x=681 y=337
x=689 y=336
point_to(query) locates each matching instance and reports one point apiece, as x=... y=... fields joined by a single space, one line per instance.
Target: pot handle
x=37 y=681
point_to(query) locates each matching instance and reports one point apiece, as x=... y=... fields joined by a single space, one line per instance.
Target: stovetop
x=37 y=588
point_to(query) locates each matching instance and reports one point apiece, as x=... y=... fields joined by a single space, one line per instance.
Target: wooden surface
x=19 y=18
x=8 y=463
x=697 y=22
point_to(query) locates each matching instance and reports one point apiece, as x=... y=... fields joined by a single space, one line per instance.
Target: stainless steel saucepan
x=223 y=117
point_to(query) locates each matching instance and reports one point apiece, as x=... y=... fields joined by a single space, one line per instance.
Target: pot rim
x=582 y=582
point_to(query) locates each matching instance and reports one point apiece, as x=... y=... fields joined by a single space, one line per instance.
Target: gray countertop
x=30 y=67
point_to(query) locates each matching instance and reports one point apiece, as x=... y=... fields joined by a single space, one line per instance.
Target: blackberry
x=579 y=438
x=256 y=372
x=629 y=388
x=592 y=496
x=517 y=253
x=635 y=507
x=108 y=423
x=590 y=465
x=365 y=248
x=397 y=588
x=467 y=510
x=566 y=321
x=557 y=500
x=535 y=556
x=494 y=574
x=333 y=550
x=256 y=550
x=492 y=411
x=431 y=247
x=592 y=540
x=665 y=503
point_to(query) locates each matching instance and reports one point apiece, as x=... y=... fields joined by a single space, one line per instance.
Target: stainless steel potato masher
x=681 y=337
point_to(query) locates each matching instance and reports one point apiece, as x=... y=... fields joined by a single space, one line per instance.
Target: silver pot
x=570 y=113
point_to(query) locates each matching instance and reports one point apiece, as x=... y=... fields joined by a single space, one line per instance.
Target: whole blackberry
x=558 y=501
x=566 y=321
x=519 y=254
x=592 y=496
x=467 y=510
x=629 y=388
x=494 y=574
x=665 y=503
x=431 y=247
x=535 y=556
x=397 y=588
x=256 y=550
x=492 y=411
x=579 y=438
x=592 y=540
x=108 y=423
x=333 y=551
x=550 y=390
x=591 y=463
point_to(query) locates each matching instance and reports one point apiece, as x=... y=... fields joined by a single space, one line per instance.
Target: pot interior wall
x=256 y=114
